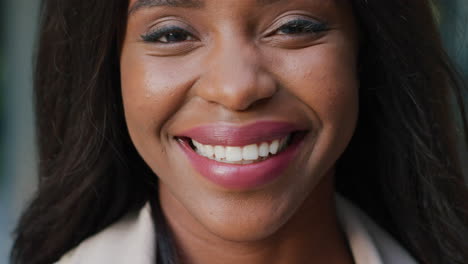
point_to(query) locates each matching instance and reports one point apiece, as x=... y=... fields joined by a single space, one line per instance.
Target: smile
x=242 y=158
x=242 y=154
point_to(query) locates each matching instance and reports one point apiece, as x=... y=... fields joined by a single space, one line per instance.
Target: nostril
x=237 y=87
x=259 y=102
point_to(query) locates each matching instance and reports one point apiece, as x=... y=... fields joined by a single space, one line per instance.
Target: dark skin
x=238 y=62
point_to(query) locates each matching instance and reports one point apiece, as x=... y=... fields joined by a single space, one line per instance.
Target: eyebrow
x=139 y=4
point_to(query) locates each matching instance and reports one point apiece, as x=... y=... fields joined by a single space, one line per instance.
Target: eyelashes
x=301 y=26
x=168 y=34
x=176 y=34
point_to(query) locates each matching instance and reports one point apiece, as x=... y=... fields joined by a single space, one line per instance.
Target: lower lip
x=246 y=176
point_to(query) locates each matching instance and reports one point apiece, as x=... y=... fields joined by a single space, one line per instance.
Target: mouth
x=247 y=154
x=242 y=158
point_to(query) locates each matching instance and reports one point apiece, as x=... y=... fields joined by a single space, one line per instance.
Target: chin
x=246 y=225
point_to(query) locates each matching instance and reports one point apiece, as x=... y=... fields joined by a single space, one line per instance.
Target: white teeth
x=208 y=151
x=233 y=154
x=197 y=144
x=241 y=154
x=274 y=146
x=220 y=152
x=264 y=150
x=250 y=152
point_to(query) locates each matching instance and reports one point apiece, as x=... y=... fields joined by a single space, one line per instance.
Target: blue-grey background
x=18 y=24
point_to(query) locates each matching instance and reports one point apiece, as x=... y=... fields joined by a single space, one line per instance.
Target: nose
x=235 y=77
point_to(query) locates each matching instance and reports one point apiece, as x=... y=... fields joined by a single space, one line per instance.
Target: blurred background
x=18 y=25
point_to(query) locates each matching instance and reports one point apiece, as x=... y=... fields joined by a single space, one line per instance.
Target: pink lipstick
x=260 y=170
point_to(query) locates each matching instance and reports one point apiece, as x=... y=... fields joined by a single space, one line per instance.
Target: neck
x=312 y=235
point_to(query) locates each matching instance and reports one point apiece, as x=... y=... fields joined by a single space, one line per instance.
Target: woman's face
x=241 y=108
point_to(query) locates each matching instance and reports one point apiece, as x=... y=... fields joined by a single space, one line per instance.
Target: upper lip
x=226 y=134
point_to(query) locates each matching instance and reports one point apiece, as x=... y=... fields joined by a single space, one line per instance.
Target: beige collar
x=369 y=243
x=131 y=240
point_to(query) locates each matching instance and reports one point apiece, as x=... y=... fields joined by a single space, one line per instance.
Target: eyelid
x=285 y=20
x=305 y=23
x=168 y=23
x=157 y=33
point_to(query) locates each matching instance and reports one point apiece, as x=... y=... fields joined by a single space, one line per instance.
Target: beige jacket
x=131 y=240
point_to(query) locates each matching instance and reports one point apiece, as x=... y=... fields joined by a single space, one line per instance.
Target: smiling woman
x=232 y=131
x=203 y=78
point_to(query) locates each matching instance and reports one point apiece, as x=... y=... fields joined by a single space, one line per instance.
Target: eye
x=168 y=35
x=301 y=26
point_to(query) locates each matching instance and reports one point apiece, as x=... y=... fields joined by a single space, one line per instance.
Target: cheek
x=324 y=79
x=152 y=91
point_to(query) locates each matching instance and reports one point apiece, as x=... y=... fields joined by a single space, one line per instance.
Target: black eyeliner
x=156 y=34
x=306 y=26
